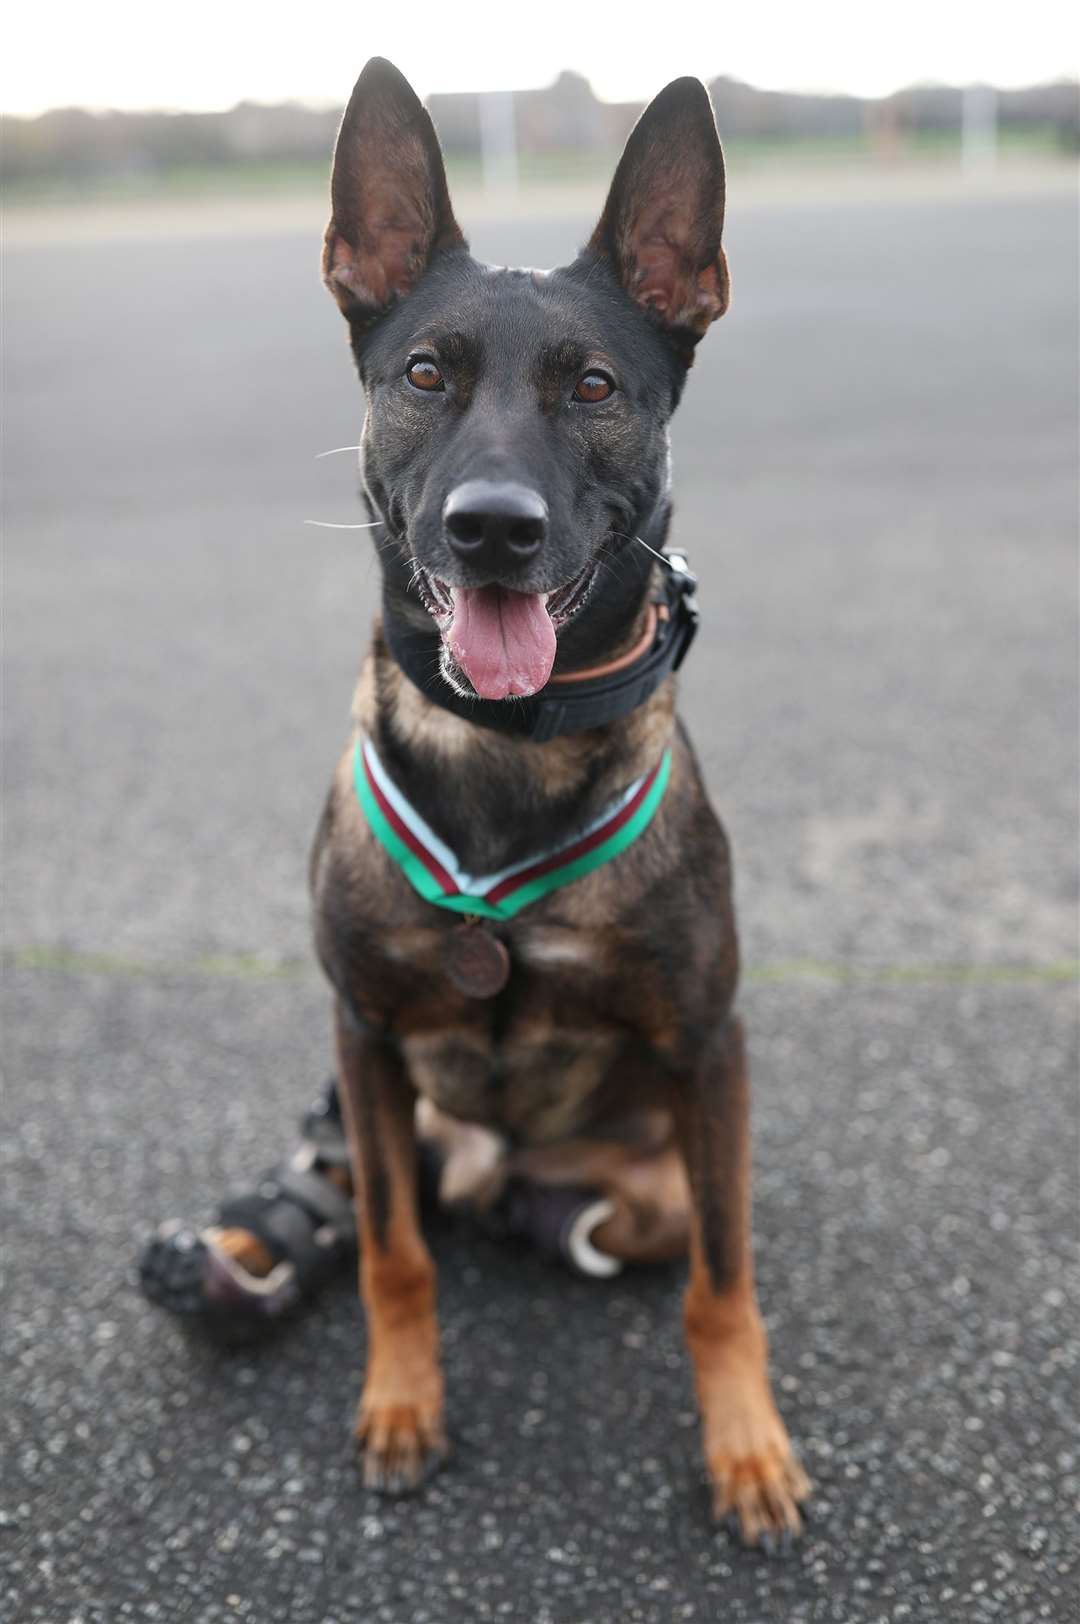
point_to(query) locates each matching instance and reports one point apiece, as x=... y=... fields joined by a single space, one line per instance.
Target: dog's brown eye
x=424 y=374
x=593 y=386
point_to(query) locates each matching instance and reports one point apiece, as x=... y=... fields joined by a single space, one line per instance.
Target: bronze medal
x=476 y=961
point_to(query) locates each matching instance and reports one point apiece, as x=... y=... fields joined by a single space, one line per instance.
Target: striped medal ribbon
x=433 y=870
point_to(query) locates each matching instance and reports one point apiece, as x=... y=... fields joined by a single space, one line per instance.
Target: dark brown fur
x=619 y=1006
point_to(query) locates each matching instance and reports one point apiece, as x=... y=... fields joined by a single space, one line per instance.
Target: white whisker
x=661 y=558
x=326 y=524
x=665 y=561
x=336 y=449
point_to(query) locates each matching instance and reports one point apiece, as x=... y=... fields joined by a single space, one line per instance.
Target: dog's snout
x=490 y=523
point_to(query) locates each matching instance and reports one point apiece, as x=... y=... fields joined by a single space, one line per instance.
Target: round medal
x=476 y=961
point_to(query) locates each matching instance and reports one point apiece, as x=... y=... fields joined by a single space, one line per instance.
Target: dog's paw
x=758 y=1494
x=400 y=1445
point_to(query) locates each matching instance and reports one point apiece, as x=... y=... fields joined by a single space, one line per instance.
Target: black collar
x=571 y=706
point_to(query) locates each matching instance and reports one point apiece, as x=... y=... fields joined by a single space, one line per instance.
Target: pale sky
x=210 y=54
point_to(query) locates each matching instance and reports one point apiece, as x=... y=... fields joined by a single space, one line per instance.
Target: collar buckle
x=685 y=584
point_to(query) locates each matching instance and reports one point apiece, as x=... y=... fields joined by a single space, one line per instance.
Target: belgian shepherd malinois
x=522 y=897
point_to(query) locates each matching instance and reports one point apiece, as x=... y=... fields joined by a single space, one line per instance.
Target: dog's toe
x=758 y=1497
x=400 y=1447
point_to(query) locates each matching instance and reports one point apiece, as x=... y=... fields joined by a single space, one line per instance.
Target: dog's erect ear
x=664 y=215
x=390 y=207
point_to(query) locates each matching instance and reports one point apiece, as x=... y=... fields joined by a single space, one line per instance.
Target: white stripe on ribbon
x=477 y=885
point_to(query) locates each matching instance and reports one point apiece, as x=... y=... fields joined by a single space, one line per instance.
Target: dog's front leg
x=752 y=1468
x=399 y=1425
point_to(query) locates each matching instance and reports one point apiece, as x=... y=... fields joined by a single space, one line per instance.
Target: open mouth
x=503 y=641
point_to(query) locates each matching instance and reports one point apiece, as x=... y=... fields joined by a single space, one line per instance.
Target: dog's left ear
x=391 y=207
x=664 y=215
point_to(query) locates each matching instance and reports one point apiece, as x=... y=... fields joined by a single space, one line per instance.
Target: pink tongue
x=504 y=641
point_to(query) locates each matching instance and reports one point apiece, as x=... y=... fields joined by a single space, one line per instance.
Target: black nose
x=489 y=523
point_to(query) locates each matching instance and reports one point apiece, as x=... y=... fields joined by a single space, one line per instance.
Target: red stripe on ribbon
x=433 y=866
x=571 y=853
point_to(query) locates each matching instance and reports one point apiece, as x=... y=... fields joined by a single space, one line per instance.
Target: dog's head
x=516 y=431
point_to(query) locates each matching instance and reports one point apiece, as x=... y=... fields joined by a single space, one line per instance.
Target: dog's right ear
x=390 y=206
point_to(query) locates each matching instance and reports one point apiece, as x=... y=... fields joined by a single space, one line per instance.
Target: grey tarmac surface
x=876 y=477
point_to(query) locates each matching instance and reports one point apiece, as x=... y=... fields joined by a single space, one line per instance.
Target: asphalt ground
x=877 y=480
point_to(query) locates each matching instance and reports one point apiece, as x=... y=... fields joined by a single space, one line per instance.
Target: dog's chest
x=536 y=1084
x=537 y=1064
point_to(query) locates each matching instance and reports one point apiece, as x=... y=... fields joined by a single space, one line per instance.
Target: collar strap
x=433 y=870
x=644 y=643
x=580 y=699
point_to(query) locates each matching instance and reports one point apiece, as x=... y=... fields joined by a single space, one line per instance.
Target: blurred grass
x=936 y=150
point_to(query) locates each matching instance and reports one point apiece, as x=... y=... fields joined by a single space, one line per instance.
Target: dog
x=521 y=896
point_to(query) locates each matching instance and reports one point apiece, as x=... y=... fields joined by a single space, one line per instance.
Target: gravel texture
x=915 y=1187
x=876 y=471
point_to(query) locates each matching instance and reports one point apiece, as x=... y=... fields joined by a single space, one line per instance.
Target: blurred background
x=258 y=112
x=876 y=479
